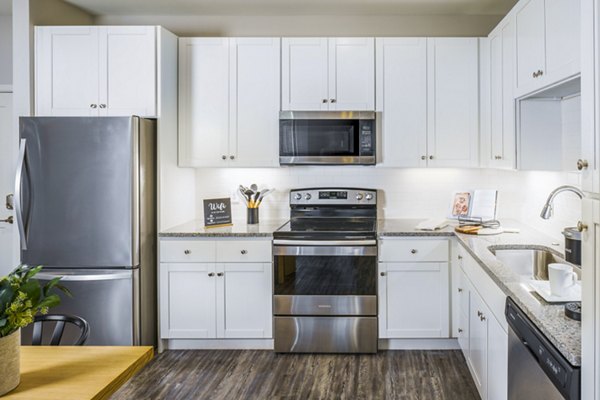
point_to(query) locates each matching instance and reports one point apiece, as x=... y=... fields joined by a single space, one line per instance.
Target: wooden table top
x=76 y=372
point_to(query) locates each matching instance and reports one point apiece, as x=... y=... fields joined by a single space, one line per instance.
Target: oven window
x=325 y=275
x=319 y=138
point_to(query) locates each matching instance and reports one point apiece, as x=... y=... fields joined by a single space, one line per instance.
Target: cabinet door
x=187 y=301
x=563 y=39
x=304 y=74
x=66 y=63
x=244 y=300
x=255 y=95
x=203 y=102
x=402 y=100
x=352 y=74
x=497 y=360
x=127 y=71
x=403 y=310
x=478 y=350
x=501 y=153
x=453 y=102
x=529 y=20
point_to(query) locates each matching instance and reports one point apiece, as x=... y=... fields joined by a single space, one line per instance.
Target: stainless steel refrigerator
x=85 y=205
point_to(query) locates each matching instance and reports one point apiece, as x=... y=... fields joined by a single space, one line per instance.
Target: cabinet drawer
x=423 y=250
x=244 y=251
x=187 y=251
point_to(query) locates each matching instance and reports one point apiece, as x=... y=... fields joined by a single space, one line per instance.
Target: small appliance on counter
x=572 y=245
x=325 y=273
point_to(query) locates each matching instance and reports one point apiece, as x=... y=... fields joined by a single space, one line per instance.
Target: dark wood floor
x=418 y=375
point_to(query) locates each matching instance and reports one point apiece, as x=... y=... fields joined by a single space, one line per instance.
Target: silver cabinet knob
x=102 y=105
x=332 y=101
x=224 y=157
x=460 y=330
x=459 y=257
x=414 y=251
x=324 y=101
x=535 y=75
x=232 y=157
x=382 y=273
x=431 y=157
x=220 y=274
x=93 y=105
x=482 y=318
x=460 y=290
x=211 y=274
x=479 y=313
x=9 y=220
x=187 y=252
x=540 y=73
x=582 y=164
x=244 y=252
x=423 y=157
x=581 y=226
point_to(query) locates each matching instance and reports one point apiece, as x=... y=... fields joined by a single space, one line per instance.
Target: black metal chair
x=59 y=328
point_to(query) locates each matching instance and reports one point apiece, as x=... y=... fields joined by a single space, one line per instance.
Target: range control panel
x=333 y=196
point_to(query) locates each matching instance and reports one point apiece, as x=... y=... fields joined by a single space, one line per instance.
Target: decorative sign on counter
x=217 y=212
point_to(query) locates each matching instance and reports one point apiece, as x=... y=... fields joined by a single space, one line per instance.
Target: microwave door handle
x=18 y=194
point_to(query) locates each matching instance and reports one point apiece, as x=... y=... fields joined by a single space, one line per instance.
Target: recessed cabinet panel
x=478 y=342
x=453 y=102
x=67 y=71
x=304 y=74
x=402 y=100
x=530 y=31
x=204 y=101
x=352 y=74
x=563 y=30
x=128 y=78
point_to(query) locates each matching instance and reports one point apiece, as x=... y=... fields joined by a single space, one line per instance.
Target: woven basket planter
x=10 y=362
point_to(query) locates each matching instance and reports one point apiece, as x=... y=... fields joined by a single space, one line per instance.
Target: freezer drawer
x=104 y=298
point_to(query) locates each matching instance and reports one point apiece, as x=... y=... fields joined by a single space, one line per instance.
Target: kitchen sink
x=530 y=263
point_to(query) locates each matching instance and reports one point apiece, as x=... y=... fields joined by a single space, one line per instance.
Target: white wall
x=405 y=193
x=320 y=25
x=6 y=50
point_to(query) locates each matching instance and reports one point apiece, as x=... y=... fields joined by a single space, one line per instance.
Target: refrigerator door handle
x=85 y=276
x=17 y=195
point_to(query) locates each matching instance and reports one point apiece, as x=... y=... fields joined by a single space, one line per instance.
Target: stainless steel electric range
x=325 y=273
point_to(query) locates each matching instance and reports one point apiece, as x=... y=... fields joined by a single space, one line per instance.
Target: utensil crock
x=252 y=216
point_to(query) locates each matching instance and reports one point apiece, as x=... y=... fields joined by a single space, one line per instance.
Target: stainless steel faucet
x=548 y=210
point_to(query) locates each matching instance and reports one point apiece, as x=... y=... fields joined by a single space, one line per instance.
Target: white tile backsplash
x=404 y=193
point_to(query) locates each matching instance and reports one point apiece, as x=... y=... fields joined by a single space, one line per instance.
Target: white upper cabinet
x=96 y=71
x=453 y=102
x=427 y=92
x=548 y=41
x=229 y=92
x=127 y=78
x=328 y=74
x=304 y=74
x=402 y=100
x=67 y=71
x=351 y=74
x=498 y=104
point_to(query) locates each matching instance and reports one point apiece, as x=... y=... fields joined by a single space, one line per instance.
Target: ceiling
x=294 y=7
x=5 y=7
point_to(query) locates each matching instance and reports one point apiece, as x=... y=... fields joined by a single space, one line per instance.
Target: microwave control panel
x=367 y=137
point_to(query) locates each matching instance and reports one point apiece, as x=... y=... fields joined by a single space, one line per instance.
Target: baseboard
x=218 y=344
x=418 y=344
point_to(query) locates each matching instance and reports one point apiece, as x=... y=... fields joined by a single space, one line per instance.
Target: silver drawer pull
x=414 y=251
x=324 y=306
x=220 y=273
x=211 y=274
x=187 y=252
x=244 y=251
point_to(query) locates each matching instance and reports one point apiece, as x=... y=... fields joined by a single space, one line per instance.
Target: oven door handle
x=283 y=242
x=316 y=251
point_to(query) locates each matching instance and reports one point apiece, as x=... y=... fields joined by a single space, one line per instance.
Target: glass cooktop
x=328 y=228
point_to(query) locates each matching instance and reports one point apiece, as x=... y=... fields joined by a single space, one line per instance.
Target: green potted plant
x=21 y=299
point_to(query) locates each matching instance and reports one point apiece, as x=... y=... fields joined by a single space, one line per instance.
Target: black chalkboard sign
x=217 y=212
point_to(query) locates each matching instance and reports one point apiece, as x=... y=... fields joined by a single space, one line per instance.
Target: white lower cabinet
x=210 y=300
x=413 y=295
x=482 y=338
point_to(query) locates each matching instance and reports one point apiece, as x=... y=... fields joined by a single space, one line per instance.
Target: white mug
x=561 y=278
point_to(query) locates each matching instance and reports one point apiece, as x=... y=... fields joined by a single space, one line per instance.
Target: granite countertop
x=238 y=229
x=563 y=333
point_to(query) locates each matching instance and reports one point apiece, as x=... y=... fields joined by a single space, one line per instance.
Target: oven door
x=325 y=280
x=326 y=138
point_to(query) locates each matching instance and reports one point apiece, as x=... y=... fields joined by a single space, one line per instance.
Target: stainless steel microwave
x=326 y=138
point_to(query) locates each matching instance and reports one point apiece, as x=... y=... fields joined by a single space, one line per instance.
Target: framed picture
x=461 y=204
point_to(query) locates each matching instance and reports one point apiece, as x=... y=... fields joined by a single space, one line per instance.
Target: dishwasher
x=536 y=370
